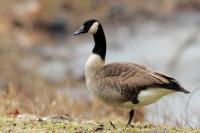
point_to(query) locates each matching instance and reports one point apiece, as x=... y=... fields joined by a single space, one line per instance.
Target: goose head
x=89 y=26
x=94 y=27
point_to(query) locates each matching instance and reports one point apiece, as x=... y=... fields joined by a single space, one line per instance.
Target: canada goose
x=122 y=84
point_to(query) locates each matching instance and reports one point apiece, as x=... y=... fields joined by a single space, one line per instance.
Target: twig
x=183 y=47
x=188 y=102
x=112 y=124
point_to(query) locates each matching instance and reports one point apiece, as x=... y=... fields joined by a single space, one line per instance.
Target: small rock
x=27 y=117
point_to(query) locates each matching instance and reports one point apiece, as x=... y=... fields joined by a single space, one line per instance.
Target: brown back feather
x=137 y=77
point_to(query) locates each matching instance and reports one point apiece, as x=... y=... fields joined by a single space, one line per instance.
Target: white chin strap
x=93 y=29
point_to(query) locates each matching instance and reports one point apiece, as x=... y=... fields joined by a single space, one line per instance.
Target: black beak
x=80 y=30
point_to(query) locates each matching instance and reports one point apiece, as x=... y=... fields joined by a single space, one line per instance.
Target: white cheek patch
x=93 y=29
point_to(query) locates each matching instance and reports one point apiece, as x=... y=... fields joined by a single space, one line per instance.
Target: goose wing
x=133 y=78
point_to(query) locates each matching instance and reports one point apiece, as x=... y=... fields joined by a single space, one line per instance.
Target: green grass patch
x=17 y=125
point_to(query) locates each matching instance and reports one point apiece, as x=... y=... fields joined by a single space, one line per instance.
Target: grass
x=67 y=125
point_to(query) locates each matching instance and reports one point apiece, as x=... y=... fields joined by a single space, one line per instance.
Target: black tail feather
x=185 y=91
x=174 y=85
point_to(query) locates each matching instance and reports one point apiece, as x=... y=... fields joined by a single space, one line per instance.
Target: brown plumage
x=128 y=80
x=137 y=77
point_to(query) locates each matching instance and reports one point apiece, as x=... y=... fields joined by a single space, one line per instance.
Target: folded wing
x=133 y=78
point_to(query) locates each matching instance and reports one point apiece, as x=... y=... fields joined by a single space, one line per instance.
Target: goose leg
x=131 y=114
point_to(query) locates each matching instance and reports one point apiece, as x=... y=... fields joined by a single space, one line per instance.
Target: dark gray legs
x=131 y=114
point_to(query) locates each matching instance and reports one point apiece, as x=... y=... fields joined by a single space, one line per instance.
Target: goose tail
x=184 y=90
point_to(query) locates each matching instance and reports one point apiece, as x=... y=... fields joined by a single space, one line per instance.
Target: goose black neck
x=100 y=43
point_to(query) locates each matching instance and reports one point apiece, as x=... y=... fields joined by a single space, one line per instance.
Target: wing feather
x=134 y=76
